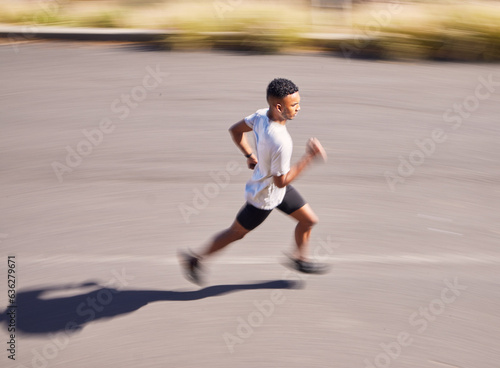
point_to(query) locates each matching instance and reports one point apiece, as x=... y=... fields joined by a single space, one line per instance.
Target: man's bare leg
x=233 y=233
x=192 y=262
x=306 y=220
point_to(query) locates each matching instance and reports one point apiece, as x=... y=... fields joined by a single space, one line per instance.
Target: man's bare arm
x=283 y=180
x=313 y=149
x=237 y=132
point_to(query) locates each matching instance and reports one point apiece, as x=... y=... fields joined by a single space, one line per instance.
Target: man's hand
x=315 y=148
x=251 y=162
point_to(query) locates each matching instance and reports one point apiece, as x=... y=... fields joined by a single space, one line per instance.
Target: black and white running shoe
x=192 y=268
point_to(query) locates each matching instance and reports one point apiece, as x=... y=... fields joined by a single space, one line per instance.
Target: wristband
x=250 y=154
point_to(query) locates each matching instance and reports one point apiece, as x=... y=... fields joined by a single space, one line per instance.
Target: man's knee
x=310 y=221
x=238 y=234
x=238 y=231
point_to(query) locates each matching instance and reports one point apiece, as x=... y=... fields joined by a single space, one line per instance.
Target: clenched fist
x=315 y=148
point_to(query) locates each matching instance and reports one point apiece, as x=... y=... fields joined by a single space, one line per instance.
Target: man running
x=269 y=186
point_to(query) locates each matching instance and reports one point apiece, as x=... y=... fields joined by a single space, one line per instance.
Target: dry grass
x=427 y=30
x=465 y=32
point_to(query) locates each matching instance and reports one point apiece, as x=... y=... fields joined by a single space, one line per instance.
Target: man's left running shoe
x=307 y=266
x=310 y=267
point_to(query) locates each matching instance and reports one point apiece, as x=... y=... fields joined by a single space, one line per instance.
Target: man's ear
x=279 y=107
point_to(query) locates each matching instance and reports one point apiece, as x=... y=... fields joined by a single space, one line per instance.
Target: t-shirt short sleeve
x=280 y=160
x=250 y=119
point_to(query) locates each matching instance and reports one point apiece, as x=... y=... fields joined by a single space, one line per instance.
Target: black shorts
x=250 y=217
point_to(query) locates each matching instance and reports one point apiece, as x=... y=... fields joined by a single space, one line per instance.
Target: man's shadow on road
x=38 y=315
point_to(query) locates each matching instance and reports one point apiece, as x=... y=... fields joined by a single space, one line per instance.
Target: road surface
x=113 y=157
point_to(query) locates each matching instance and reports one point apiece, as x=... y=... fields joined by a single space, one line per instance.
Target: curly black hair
x=281 y=87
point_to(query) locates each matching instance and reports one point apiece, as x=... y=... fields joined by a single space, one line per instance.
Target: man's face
x=290 y=106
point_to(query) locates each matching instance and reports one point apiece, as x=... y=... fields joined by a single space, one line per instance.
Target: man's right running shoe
x=191 y=266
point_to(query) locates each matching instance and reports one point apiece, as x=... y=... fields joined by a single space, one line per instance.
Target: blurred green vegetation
x=438 y=30
x=466 y=32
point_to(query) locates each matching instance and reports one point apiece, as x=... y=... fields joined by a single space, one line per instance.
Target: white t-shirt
x=274 y=152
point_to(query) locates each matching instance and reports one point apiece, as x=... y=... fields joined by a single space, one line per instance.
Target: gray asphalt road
x=113 y=158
